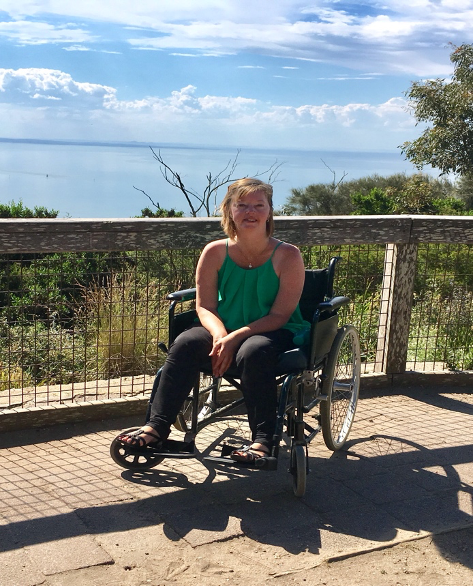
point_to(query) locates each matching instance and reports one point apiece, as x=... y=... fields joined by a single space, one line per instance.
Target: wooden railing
x=61 y=235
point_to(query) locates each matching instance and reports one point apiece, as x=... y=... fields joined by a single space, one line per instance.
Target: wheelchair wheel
x=298 y=469
x=130 y=460
x=341 y=385
x=208 y=389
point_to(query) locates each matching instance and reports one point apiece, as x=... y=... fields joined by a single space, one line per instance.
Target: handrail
x=76 y=235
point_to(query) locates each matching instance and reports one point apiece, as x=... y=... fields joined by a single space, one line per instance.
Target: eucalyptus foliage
x=446 y=144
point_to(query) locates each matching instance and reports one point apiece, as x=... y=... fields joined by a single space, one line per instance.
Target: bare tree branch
x=273 y=171
x=176 y=181
x=334 y=184
x=156 y=204
x=213 y=183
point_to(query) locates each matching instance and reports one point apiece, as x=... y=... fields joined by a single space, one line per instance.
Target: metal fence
x=81 y=323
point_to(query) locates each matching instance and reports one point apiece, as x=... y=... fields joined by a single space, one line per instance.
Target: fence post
x=395 y=308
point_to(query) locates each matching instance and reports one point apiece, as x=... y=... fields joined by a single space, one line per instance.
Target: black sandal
x=137 y=440
x=246 y=454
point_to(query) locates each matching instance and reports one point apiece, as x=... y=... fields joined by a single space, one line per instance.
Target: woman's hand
x=222 y=353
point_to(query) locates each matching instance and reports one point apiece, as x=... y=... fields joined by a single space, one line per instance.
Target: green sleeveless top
x=245 y=295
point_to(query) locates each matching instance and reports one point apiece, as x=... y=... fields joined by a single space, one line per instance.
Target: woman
x=248 y=288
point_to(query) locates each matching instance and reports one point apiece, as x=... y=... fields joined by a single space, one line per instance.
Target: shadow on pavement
x=378 y=486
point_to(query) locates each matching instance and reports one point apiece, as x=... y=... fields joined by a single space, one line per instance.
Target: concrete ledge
x=418 y=378
x=40 y=417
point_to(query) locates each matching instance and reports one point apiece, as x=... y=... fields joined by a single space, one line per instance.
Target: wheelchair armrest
x=182 y=295
x=333 y=304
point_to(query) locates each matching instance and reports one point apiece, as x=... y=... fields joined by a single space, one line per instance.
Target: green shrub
x=122 y=322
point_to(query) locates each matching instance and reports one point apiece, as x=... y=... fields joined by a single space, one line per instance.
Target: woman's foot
x=140 y=438
x=249 y=454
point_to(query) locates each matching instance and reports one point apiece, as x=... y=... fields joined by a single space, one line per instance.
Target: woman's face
x=251 y=212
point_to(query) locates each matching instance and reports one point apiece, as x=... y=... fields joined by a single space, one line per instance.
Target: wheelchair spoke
x=340 y=386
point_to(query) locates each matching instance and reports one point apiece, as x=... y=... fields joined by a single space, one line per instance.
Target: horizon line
x=154 y=145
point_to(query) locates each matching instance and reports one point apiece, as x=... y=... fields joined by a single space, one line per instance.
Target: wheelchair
x=318 y=383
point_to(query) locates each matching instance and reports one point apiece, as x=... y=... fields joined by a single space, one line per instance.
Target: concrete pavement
x=69 y=513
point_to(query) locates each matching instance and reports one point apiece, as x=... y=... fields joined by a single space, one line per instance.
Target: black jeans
x=255 y=361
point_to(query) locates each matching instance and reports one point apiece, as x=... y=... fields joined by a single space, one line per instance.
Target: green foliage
x=421 y=195
x=160 y=213
x=447 y=107
x=18 y=210
x=44 y=286
x=442 y=305
x=174 y=269
x=364 y=185
x=121 y=322
x=450 y=207
x=464 y=189
x=317 y=200
x=375 y=202
x=43 y=354
x=375 y=194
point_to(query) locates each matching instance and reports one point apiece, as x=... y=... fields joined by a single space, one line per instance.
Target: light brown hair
x=235 y=191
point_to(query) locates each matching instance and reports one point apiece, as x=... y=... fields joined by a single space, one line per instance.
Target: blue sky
x=246 y=73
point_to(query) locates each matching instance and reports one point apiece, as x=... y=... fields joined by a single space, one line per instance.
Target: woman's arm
x=208 y=266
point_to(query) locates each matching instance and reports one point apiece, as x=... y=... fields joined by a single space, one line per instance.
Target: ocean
x=97 y=180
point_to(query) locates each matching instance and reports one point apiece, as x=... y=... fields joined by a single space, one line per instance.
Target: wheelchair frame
x=324 y=373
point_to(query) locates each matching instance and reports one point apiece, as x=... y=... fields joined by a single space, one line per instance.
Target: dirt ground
x=444 y=559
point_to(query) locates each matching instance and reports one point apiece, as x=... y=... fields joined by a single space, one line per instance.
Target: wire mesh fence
x=441 y=325
x=77 y=327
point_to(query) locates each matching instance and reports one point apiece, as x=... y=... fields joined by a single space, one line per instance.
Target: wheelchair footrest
x=264 y=464
x=176 y=449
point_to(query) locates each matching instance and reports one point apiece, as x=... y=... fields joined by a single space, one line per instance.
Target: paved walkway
x=405 y=473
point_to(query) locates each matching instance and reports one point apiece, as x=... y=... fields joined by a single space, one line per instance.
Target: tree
x=319 y=199
x=447 y=107
x=364 y=185
x=377 y=195
x=464 y=191
x=18 y=210
x=158 y=211
x=207 y=200
x=375 y=202
x=418 y=194
x=422 y=194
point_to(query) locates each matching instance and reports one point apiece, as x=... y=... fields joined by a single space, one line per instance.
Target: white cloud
x=94 y=112
x=21 y=85
x=89 y=49
x=40 y=33
x=183 y=103
x=77 y=48
x=420 y=30
x=363 y=38
x=44 y=97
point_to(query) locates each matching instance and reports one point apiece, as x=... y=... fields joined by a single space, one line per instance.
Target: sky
x=322 y=74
